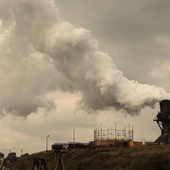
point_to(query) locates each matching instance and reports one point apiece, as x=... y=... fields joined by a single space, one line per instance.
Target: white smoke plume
x=40 y=53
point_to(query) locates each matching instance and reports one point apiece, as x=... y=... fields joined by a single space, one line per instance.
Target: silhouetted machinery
x=39 y=164
x=58 y=148
x=163 y=121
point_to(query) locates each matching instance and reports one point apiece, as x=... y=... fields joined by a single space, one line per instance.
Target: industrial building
x=163 y=121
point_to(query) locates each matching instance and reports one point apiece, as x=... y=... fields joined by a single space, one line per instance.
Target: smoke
x=41 y=53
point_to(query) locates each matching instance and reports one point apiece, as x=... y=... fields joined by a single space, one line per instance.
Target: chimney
x=163 y=121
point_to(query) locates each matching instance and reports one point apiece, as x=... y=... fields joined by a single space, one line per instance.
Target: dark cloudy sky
x=41 y=87
x=135 y=33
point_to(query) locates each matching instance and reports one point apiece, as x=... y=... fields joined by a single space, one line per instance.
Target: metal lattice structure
x=110 y=136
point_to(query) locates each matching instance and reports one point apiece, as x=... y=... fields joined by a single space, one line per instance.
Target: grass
x=141 y=158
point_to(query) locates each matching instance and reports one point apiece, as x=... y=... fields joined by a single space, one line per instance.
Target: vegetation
x=140 y=158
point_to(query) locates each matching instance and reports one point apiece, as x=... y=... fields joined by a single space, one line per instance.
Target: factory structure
x=163 y=121
x=125 y=137
x=113 y=137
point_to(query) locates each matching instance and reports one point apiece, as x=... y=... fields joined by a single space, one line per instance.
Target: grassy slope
x=145 y=157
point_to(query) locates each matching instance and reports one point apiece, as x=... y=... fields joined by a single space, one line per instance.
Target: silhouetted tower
x=163 y=121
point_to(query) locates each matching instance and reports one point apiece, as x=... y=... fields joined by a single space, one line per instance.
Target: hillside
x=145 y=158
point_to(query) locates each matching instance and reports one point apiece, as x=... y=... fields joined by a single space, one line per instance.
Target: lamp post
x=73 y=138
x=47 y=143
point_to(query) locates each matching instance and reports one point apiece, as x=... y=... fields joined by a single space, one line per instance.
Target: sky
x=77 y=65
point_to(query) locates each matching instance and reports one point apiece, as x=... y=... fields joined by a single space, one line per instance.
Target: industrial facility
x=113 y=137
x=163 y=121
x=125 y=137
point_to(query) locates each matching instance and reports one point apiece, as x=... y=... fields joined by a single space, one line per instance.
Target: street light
x=47 y=143
x=74 y=138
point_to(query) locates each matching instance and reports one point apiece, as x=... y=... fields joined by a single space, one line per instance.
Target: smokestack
x=163 y=121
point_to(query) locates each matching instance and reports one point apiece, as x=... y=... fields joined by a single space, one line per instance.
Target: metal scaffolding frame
x=113 y=134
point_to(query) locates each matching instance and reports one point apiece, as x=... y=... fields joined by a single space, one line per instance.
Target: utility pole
x=74 y=138
x=47 y=143
x=115 y=131
x=132 y=134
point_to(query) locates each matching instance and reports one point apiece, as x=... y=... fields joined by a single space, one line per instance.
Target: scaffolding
x=113 y=134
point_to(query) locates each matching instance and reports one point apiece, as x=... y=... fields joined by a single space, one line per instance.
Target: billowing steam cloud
x=40 y=53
